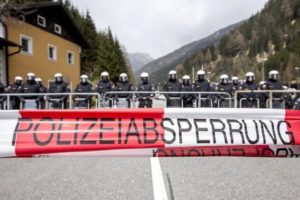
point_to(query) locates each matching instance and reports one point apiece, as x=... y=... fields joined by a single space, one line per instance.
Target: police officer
x=42 y=89
x=2 y=98
x=123 y=85
x=30 y=87
x=15 y=88
x=103 y=86
x=224 y=86
x=83 y=101
x=236 y=86
x=173 y=85
x=202 y=85
x=273 y=83
x=145 y=100
x=187 y=99
x=58 y=86
x=263 y=96
x=250 y=98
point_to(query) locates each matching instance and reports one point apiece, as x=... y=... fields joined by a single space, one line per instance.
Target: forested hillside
x=160 y=67
x=273 y=35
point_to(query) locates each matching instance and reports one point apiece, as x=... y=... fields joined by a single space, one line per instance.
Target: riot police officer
x=123 y=85
x=42 y=89
x=145 y=100
x=236 y=86
x=173 y=85
x=103 y=86
x=58 y=86
x=224 y=86
x=30 y=87
x=263 y=96
x=187 y=99
x=202 y=85
x=273 y=83
x=83 y=101
x=15 y=88
x=250 y=98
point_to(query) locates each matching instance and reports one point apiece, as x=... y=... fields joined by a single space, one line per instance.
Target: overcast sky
x=158 y=27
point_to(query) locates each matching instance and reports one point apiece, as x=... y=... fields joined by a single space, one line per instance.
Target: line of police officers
x=172 y=87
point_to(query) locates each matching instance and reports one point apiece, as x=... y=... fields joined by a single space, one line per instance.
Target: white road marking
x=159 y=189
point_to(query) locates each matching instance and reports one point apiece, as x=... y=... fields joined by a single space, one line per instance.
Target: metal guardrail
x=46 y=96
x=199 y=98
x=269 y=93
x=199 y=95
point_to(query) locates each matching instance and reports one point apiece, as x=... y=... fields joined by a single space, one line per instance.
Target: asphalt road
x=120 y=178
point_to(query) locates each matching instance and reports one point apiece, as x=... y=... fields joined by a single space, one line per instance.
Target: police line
x=150 y=132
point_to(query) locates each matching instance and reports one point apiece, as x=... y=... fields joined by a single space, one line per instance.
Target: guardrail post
x=8 y=102
x=271 y=99
x=235 y=99
x=71 y=102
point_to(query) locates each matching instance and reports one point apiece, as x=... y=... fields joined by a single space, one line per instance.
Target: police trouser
x=204 y=103
x=56 y=103
x=278 y=104
x=81 y=103
x=145 y=103
x=249 y=103
x=224 y=103
x=174 y=102
x=14 y=103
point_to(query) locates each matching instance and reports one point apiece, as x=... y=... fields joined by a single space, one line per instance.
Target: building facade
x=50 y=43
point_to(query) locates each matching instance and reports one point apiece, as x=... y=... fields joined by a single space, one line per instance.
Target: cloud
x=158 y=27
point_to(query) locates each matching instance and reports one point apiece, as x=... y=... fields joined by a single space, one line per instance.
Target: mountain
x=159 y=68
x=268 y=40
x=138 y=60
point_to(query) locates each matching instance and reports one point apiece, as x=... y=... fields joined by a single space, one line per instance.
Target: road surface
x=130 y=178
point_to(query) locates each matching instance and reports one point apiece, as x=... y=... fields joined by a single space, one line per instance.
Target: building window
x=71 y=58
x=41 y=21
x=26 y=43
x=52 y=52
x=57 y=28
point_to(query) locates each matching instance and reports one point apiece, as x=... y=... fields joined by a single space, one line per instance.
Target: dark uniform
x=102 y=87
x=173 y=100
x=251 y=98
x=263 y=96
x=223 y=101
x=203 y=86
x=82 y=101
x=145 y=100
x=236 y=87
x=278 y=98
x=124 y=86
x=188 y=99
x=30 y=87
x=15 y=88
x=42 y=89
x=58 y=100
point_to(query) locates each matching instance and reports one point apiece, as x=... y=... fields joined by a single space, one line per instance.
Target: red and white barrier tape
x=150 y=132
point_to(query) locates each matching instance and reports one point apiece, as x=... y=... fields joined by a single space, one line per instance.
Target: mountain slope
x=160 y=67
x=138 y=60
x=272 y=34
